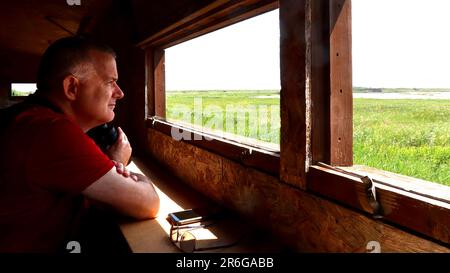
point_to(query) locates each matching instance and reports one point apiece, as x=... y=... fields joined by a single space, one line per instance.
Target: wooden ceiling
x=29 y=26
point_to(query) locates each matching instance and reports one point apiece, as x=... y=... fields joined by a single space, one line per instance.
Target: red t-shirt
x=46 y=161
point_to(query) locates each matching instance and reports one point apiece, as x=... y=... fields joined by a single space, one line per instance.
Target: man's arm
x=133 y=198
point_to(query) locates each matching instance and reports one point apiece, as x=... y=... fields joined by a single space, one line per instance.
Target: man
x=49 y=167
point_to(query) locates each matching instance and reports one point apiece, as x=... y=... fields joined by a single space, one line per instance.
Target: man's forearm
x=151 y=191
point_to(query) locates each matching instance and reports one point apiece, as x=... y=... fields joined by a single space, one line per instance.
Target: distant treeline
x=396 y=90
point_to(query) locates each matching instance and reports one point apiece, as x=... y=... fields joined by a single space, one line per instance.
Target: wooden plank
x=301 y=220
x=149 y=83
x=160 y=83
x=220 y=21
x=320 y=82
x=411 y=211
x=87 y=25
x=293 y=91
x=150 y=236
x=341 y=98
x=406 y=183
x=215 y=16
x=180 y=24
x=265 y=161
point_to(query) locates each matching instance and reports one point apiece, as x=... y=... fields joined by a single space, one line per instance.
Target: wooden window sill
x=152 y=236
x=264 y=160
x=409 y=184
x=406 y=203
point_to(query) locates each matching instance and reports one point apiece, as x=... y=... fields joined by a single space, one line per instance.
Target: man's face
x=98 y=91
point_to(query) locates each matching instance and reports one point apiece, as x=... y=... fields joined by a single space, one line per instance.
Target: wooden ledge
x=151 y=236
x=421 y=214
x=410 y=184
x=256 y=157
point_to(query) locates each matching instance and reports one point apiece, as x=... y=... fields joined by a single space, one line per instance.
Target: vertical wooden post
x=150 y=83
x=320 y=81
x=160 y=84
x=341 y=97
x=293 y=57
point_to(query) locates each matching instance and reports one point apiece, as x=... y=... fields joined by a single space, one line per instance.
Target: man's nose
x=118 y=93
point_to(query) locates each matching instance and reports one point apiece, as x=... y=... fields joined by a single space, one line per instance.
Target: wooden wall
x=15 y=67
x=27 y=29
x=117 y=31
x=302 y=221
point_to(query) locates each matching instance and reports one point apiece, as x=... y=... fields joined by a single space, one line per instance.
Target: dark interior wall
x=126 y=24
x=28 y=27
x=16 y=67
x=120 y=23
x=115 y=27
x=301 y=220
x=117 y=30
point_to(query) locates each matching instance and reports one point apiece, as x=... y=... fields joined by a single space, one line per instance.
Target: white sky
x=401 y=43
x=31 y=87
x=396 y=43
x=241 y=56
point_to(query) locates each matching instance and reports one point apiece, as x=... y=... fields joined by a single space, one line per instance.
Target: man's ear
x=71 y=86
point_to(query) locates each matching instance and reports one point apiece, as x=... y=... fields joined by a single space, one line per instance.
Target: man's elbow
x=149 y=209
x=153 y=208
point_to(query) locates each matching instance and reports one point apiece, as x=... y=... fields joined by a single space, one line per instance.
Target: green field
x=15 y=93
x=253 y=114
x=410 y=137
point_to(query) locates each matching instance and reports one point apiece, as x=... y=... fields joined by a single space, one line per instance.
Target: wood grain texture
x=219 y=14
x=25 y=28
x=293 y=92
x=301 y=220
x=263 y=160
x=420 y=214
x=410 y=184
x=149 y=83
x=186 y=25
x=160 y=82
x=320 y=82
x=341 y=98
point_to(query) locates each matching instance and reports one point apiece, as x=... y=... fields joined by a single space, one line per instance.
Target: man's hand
x=121 y=150
x=121 y=169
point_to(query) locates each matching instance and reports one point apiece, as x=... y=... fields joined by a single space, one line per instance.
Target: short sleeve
x=63 y=158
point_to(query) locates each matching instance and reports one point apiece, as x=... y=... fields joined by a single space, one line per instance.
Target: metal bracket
x=371 y=196
x=245 y=154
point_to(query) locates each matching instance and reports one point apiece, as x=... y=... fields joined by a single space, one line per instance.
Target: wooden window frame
x=219 y=14
x=316 y=110
x=409 y=205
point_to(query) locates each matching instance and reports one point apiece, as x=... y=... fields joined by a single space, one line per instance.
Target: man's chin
x=106 y=120
x=110 y=117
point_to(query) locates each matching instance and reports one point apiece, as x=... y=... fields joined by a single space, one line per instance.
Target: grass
x=253 y=114
x=15 y=93
x=409 y=137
